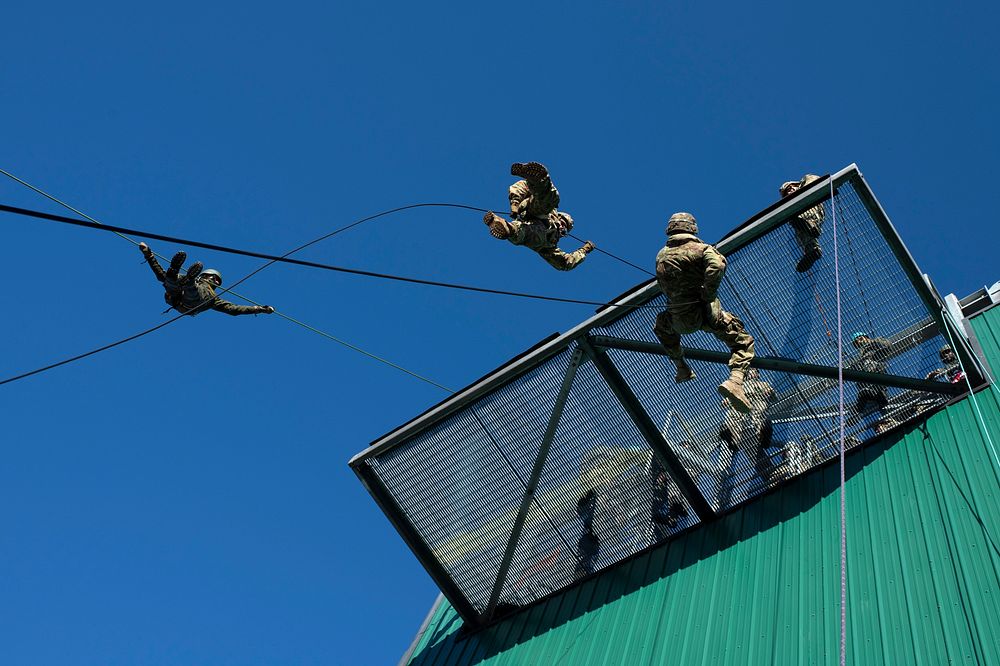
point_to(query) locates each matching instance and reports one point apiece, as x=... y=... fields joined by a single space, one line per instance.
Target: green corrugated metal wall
x=762 y=585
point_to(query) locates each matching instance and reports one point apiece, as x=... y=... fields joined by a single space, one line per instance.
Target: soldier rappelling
x=689 y=273
x=535 y=221
x=808 y=224
x=194 y=292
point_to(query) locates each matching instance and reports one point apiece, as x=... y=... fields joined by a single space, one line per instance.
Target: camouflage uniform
x=537 y=224
x=192 y=294
x=872 y=357
x=752 y=432
x=808 y=225
x=689 y=273
x=952 y=369
x=746 y=429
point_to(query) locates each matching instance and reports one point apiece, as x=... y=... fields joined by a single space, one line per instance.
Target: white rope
x=972 y=394
x=840 y=382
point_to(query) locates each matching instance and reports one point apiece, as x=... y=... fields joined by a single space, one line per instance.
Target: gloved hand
x=265 y=309
x=144 y=248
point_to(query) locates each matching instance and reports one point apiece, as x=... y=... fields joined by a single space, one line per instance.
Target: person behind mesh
x=808 y=225
x=667 y=507
x=952 y=369
x=873 y=356
x=614 y=506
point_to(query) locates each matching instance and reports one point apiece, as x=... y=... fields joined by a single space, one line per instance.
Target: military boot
x=175 y=265
x=732 y=388
x=192 y=273
x=810 y=257
x=529 y=170
x=684 y=371
x=499 y=227
x=588 y=247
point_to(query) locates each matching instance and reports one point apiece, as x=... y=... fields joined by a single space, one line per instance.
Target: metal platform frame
x=591 y=348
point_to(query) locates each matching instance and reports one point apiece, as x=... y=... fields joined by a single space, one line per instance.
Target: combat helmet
x=682 y=223
x=211 y=271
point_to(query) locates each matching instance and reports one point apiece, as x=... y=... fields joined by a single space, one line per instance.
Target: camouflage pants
x=725 y=326
x=807 y=230
x=543 y=237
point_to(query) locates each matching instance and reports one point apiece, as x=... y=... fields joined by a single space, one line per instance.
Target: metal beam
x=536 y=473
x=783 y=365
x=934 y=305
x=671 y=463
x=424 y=555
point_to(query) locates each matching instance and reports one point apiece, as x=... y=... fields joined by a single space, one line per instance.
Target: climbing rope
x=52 y=366
x=842 y=418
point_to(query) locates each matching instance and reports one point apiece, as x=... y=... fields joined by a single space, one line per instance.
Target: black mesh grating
x=602 y=495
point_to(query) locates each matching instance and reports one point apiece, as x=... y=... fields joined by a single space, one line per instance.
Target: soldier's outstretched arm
x=154 y=265
x=220 y=305
x=715 y=269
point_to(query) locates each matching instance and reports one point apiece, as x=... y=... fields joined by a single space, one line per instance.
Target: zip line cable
x=121 y=231
x=271 y=261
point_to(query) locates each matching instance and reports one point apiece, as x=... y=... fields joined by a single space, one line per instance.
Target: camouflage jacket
x=873 y=356
x=527 y=202
x=195 y=298
x=200 y=296
x=689 y=273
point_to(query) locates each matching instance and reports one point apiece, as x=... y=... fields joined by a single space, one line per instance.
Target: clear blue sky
x=186 y=499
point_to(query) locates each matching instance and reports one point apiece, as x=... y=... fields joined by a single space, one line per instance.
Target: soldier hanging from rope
x=535 y=222
x=194 y=292
x=808 y=225
x=689 y=273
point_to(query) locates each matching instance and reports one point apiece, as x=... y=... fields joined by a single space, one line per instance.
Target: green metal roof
x=762 y=584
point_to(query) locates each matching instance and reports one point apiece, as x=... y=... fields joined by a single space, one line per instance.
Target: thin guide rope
x=972 y=394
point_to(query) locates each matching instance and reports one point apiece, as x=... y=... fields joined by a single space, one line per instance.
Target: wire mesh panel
x=460 y=483
x=794 y=315
x=793 y=424
x=601 y=497
x=565 y=463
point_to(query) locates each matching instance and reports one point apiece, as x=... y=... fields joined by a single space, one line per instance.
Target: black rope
x=90 y=353
x=614 y=256
x=311 y=264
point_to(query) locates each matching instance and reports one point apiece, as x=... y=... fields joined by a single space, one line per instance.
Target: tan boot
x=732 y=388
x=684 y=372
x=499 y=227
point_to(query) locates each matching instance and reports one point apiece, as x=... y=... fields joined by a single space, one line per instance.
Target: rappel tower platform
x=493 y=488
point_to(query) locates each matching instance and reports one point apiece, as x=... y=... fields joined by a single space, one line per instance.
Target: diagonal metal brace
x=784 y=365
x=671 y=463
x=536 y=473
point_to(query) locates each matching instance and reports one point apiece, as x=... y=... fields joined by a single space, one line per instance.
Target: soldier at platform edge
x=689 y=273
x=808 y=225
